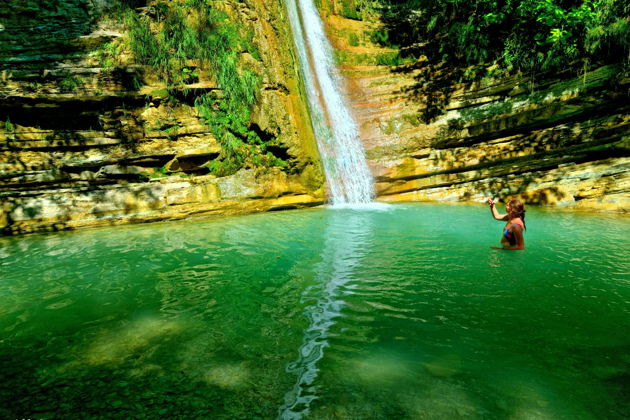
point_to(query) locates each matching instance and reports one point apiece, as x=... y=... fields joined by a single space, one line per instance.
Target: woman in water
x=512 y=237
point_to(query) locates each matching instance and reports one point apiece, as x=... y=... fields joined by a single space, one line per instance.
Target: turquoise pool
x=397 y=312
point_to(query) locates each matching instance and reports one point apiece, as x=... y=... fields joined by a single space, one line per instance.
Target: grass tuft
x=178 y=42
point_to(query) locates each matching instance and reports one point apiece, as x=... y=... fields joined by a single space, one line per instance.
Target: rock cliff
x=84 y=142
x=551 y=140
x=87 y=141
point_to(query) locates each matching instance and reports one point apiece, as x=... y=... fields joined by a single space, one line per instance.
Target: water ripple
x=326 y=313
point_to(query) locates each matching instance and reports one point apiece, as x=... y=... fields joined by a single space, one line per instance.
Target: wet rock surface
x=551 y=140
x=84 y=145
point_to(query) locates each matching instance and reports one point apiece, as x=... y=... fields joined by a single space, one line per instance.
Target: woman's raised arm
x=495 y=213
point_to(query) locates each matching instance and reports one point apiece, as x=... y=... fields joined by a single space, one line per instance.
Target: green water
x=397 y=313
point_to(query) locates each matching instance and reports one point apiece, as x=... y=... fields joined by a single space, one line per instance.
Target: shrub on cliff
x=517 y=35
x=174 y=39
x=454 y=41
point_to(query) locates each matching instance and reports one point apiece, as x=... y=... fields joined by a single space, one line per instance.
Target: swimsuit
x=508 y=233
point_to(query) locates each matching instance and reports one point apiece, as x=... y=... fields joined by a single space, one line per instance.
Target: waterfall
x=348 y=176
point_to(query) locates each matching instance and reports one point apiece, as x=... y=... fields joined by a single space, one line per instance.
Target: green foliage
x=353 y=39
x=358 y=9
x=518 y=35
x=160 y=172
x=69 y=83
x=389 y=59
x=8 y=127
x=380 y=37
x=180 y=40
x=250 y=46
x=454 y=41
x=107 y=55
x=349 y=10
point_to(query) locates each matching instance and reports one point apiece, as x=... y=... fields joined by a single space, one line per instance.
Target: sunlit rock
x=555 y=140
x=444 y=366
x=383 y=368
x=85 y=141
x=112 y=347
x=228 y=375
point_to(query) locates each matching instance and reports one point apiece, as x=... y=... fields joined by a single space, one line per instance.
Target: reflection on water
x=323 y=313
x=346 y=237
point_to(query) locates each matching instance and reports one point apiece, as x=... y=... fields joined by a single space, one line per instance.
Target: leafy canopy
x=517 y=35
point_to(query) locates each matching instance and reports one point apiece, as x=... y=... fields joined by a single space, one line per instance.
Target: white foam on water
x=373 y=206
x=351 y=187
x=345 y=235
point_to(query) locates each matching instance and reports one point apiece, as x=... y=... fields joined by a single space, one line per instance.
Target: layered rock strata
x=554 y=140
x=85 y=145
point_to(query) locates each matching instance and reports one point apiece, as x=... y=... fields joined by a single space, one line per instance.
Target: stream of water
x=325 y=313
x=345 y=166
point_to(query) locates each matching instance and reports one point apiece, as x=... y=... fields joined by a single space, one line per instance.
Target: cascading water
x=348 y=176
x=350 y=184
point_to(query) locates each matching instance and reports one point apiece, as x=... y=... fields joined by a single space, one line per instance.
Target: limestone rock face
x=84 y=145
x=555 y=140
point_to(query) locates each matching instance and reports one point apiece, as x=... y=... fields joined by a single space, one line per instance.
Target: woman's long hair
x=517 y=209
